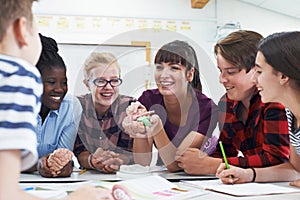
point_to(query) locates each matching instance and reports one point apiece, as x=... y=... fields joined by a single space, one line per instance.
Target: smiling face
x=104 y=96
x=55 y=87
x=267 y=80
x=238 y=84
x=171 y=79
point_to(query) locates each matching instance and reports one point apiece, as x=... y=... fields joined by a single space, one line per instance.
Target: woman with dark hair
x=184 y=117
x=59 y=116
x=278 y=80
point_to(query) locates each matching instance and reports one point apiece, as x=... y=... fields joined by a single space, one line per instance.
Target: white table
x=36 y=180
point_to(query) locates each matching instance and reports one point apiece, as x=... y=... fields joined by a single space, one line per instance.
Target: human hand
x=234 y=174
x=56 y=164
x=45 y=171
x=106 y=161
x=58 y=160
x=135 y=129
x=295 y=183
x=193 y=161
x=91 y=193
x=119 y=192
x=43 y=168
x=137 y=120
x=135 y=110
x=155 y=127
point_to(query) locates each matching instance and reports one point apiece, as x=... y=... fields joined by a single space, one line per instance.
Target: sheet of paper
x=155 y=187
x=48 y=194
x=37 y=178
x=177 y=176
x=67 y=187
x=96 y=175
x=75 y=177
x=246 y=189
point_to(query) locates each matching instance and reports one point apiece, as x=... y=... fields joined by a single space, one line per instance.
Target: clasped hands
x=140 y=123
x=56 y=164
x=106 y=161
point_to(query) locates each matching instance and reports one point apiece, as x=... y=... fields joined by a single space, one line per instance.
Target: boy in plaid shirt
x=254 y=134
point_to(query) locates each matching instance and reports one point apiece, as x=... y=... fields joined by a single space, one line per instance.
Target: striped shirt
x=20 y=91
x=103 y=131
x=294 y=133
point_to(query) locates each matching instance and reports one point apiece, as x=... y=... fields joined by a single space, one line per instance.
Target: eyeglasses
x=100 y=82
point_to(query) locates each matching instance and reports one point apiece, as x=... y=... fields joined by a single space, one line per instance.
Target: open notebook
x=155 y=187
x=246 y=189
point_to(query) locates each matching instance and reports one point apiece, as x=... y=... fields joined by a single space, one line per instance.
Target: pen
x=224 y=157
x=28 y=188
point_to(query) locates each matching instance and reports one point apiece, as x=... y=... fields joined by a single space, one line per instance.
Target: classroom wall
x=200 y=32
x=254 y=18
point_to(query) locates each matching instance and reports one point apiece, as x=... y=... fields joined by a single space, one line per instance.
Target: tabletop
x=77 y=179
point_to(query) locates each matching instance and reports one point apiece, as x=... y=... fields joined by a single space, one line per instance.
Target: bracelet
x=90 y=161
x=254 y=174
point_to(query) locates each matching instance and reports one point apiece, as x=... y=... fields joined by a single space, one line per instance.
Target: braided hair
x=49 y=57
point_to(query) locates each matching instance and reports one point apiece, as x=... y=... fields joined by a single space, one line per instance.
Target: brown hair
x=11 y=10
x=239 y=48
x=180 y=52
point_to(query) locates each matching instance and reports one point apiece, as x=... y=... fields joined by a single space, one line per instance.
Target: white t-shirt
x=294 y=133
x=20 y=92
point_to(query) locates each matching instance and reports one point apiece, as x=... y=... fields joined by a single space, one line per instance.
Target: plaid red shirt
x=263 y=139
x=103 y=131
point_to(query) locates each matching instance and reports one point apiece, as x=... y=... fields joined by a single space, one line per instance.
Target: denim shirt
x=60 y=127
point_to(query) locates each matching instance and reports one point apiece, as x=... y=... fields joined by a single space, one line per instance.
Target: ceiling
x=286 y=7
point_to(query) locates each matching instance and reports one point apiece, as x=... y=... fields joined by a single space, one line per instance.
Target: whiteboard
x=135 y=71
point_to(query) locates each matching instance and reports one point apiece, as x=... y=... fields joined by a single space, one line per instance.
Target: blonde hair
x=97 y=58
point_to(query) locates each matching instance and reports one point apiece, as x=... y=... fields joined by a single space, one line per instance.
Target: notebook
x=155 y=187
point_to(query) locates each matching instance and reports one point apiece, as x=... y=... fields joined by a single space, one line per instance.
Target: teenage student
x=277 y=79
x=101 y=143
x=183 y=115
x=254 y=134
x=20 y=92
x=59 y=115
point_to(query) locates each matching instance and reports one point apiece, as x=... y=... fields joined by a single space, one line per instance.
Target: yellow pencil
x=82 y=171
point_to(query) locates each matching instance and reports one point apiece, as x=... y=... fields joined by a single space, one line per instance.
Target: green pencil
x=224 y=157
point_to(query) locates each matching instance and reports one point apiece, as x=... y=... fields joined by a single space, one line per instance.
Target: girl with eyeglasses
x=101 y=143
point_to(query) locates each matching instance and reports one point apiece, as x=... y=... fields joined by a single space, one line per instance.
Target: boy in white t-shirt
x=20 y=91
